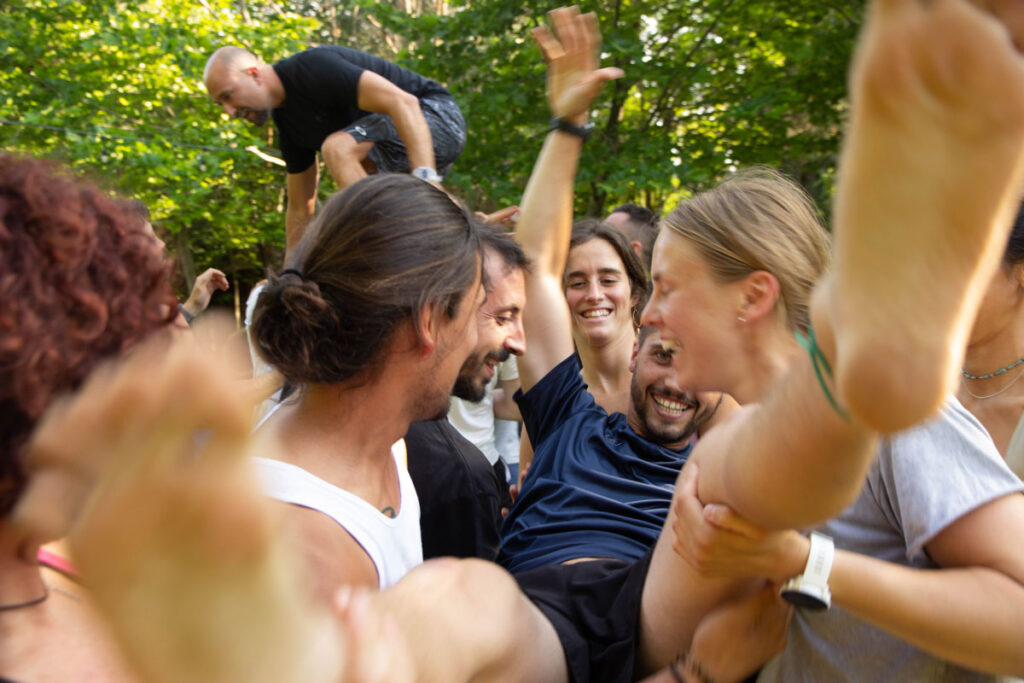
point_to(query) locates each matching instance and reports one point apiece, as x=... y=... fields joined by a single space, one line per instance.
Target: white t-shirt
x=475 y=421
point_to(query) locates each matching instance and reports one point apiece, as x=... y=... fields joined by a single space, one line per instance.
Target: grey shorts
x=447 y=130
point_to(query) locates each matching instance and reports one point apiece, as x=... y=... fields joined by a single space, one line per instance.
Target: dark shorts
x=595 y=609
x=447 y=131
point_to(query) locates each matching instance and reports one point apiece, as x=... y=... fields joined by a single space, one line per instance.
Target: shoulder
x=557 y=396
x=442 y=458
x=564 y=378
x=331 y=555
x=952 y=434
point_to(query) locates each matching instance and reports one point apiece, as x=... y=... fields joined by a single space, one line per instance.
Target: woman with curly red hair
x=81 y=281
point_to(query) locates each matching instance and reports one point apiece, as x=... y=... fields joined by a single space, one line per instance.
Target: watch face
x=805 y=600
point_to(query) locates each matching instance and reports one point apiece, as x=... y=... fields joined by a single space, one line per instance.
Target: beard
x=665 y=432
x=256 y=117
x=471 y=385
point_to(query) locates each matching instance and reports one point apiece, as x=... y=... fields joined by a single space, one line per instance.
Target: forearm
x=192 y=306
x=415 y=133
x=545 y=213
x=505 y=407
x=296 y=219
x=972 y=616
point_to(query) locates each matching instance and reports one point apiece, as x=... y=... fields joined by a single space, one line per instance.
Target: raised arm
x=545 y=219
x=379 y=95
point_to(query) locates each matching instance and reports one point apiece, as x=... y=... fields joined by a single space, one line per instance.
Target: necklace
x=990 y=375
x=984 y=396
x=27 y=603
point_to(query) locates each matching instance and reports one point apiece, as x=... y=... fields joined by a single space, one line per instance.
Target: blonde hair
x=758 y=219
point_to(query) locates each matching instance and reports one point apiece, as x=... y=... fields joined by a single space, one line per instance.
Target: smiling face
x=598 y=293
x=659 y=409
x=695 y=314
x=457 y=340
x=499 y=328
x=240 y=91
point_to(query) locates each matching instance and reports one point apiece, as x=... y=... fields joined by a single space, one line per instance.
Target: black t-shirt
x=460 y=495
x=321 y=96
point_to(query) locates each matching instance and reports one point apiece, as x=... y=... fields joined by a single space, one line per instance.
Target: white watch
x=810 y=589
x=426 y=173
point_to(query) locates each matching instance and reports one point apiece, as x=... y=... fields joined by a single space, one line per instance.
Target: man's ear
x=760 y=291
x=632 y=356
x=426 y=326
x=638 y=247
x=254 y=72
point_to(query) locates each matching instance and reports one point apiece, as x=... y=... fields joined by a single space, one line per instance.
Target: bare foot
x=929 y=179
x=176 y=542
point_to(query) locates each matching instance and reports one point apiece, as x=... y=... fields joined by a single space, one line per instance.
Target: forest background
x=114 y=90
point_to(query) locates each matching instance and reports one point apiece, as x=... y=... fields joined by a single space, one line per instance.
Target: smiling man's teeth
x=670 y=405
x=596 y=314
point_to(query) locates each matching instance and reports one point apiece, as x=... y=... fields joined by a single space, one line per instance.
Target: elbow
x=407 y=105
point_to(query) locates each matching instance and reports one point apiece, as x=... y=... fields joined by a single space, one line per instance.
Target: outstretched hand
x=209 y=281
x=571 y=53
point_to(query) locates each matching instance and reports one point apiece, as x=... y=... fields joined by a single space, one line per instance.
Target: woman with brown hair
x=82 y=282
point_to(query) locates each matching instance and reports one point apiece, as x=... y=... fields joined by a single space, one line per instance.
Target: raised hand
x=571 y=53
x=209 y=281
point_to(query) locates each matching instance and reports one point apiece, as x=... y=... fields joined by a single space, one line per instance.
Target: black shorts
x=595 y=609
x=447 y=131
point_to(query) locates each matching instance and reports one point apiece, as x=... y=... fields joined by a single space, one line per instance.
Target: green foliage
x=114 y=89
x=709 y=86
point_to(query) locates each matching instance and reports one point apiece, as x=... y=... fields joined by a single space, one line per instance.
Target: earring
x=741 y=318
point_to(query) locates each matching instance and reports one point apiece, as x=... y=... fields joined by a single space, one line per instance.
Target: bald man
x=361 y=113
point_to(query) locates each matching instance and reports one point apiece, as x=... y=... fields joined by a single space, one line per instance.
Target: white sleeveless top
x=393 y=544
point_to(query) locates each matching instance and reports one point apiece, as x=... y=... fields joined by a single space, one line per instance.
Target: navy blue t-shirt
x=321 y=96
x=595 y=488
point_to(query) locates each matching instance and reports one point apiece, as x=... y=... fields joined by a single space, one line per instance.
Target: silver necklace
x=984 y=396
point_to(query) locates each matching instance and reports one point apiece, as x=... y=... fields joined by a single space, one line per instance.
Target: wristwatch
x=582 y=132
x=426 y=173
x=810 y=589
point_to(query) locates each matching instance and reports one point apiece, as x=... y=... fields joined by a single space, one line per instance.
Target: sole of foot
x=929 y=180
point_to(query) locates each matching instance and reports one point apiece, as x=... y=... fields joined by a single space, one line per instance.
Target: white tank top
x=393 y=544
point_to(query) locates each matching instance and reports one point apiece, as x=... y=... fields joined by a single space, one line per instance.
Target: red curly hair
x=81 y=280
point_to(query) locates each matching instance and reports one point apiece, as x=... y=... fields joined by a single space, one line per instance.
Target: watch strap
x=426 y=173
x=810 y=589
x=582 y=132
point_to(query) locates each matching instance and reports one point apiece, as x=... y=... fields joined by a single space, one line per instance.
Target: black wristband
x=582 y=132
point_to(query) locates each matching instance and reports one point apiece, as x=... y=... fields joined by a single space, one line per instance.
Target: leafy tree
x=710 y=85
x=114 y=89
